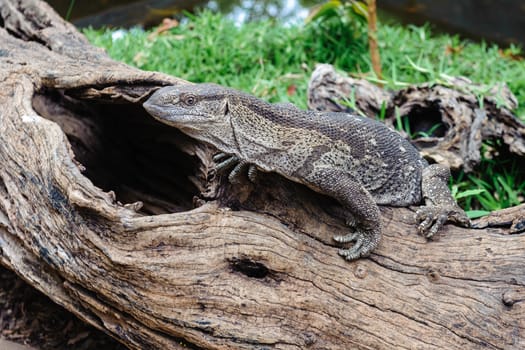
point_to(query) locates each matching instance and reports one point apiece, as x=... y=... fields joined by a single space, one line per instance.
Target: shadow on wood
x=124 y=222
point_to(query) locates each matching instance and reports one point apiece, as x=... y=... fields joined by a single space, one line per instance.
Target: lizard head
x=188 y=105
x=199 y=110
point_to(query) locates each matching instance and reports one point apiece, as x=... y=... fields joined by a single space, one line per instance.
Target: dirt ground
x=29 y=317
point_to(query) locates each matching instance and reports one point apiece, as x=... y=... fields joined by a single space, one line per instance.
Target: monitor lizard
x=356 y=160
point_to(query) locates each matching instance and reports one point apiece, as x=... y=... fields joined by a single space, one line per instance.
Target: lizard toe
x=425 y=217
x=217 y=157
x=431 y=219
x=347 y=238
x=226 y=163
x=352 y=253
x=252 y=173
x=438 y=223
x=365 y=242
x=460 y=218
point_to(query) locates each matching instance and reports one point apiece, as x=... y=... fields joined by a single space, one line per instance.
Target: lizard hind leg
x=362 y=211
x=440 y=206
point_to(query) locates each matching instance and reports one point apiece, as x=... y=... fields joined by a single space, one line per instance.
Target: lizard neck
x=265 y=135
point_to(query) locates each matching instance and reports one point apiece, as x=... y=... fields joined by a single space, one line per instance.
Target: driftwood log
x=448 y=122
x=124 y=222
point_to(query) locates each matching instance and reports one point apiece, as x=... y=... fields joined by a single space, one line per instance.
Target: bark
x=124 y=222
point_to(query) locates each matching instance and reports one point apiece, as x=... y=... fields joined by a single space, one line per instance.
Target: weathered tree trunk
x=251 y=267
x=459 y=120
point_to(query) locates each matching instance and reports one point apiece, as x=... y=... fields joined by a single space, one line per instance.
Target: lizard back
x=294 y=143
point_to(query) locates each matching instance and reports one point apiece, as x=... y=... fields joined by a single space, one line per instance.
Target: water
x=289 y=11
x=491 y=20
x=127 y=13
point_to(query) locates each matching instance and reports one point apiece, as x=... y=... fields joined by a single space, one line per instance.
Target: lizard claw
x=432 y=218
x=365 y=242
x=235 y=174
x=252 y=173
x=227 y=161
x=440 y=205
x=346 y=238
x=217 y=157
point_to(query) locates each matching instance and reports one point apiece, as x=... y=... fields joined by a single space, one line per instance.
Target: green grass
x=266 y=57
x=263 y=58
x=500 y=184
x=413 y=54
x=274 y=61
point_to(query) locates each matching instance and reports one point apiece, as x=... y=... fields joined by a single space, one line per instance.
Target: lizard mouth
x=152 y=108
x=177 y=118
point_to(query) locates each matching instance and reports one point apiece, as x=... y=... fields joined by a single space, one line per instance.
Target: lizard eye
x=190 y=100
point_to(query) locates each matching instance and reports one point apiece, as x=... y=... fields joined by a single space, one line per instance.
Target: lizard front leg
x=362 y=211
x=440 y=206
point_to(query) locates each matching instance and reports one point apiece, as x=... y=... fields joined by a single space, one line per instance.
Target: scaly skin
x=356 y=160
